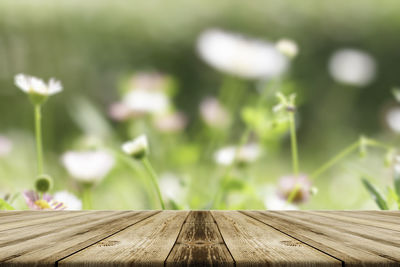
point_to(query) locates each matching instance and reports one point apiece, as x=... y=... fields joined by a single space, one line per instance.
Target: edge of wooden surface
x=385 y=218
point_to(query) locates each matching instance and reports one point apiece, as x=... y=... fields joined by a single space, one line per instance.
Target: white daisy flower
x=137 y=148
x=352 y=67
x=70 y=201
x=393 y=119
x=237 y=55
x=34 y=85
x=146 y=101
x=274 y=202
x=88 y=166
x=287 y=47
x=247 y=154
x=171 y=187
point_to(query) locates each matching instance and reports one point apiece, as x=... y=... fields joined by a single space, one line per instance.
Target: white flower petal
x=274 y=202
x=88 y=166
x=353 y=67
x=54 y=86
x=31 y=84
x=393 y=119
x=22 y=81
x=248 y=153
x=171 y=187
x=240 y=56
x=225 y=156
x=287 y=47
x=138 y=146
x=38 y=86
x=146 y=101
x=70 y=201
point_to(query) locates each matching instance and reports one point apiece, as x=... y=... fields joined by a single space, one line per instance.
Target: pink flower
x=301 y=183
x=47 y=202
x=171 y=122
x=213 y=113
x=118 y=111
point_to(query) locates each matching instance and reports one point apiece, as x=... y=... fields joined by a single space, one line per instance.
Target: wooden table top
x=202 y=238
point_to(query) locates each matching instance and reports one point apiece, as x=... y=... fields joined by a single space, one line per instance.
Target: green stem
x=293 y=193
x=131 y=164
x=335 y=159
x=243 y=140
x=87 y=197
x=293 y=141
x=154 y=179
x=375 y=143
x=38 y=133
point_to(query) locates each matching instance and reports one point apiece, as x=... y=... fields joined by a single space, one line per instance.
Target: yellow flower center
x=43 y=204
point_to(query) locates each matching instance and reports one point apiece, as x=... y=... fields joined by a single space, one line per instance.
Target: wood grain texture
x=200 y=243
x=199 y=238
x=20 y=221
x=43 y=245
x=362 y=219
x=253 y=243
x=344 y=241
x=147 y=243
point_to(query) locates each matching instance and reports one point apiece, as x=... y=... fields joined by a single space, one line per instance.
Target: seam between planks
x=56 y=263
x=223 y=239
x=344 y=230
x=320 y=250
x=176 y=239
x=342 y=220
x=41 y=223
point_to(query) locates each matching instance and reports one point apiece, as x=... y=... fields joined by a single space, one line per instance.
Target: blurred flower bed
x=270 y=113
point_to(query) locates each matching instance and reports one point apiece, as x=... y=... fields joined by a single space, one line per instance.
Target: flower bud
x=43 y=183
x=363 y=147
x=137 y=148
x=287 y=47
x=313 y=190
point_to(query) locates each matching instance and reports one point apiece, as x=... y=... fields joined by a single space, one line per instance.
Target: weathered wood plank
x=383 y=236
x=146 y=243
x=200 y=243
x=345 y=244
x=392 y=217
x=361 y=219
x=43 y=245
x=29 y=220
x=252 y=243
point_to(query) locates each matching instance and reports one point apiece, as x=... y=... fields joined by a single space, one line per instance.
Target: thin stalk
x=242 y=141
x=295 y=156
x=87 y=197
x=38 y=133
x=154 y=179
x=375 y=143
x=335 y=159
x=346 y=151
x=129 y=163
x=293 y=141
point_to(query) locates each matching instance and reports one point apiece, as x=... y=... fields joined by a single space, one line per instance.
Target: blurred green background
x=92 y=46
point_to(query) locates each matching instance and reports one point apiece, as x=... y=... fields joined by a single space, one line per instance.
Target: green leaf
x=5 y=206
x=377 y=197
x=232 y=184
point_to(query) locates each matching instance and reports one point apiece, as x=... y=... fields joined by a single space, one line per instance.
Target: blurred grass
x=90 y=45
